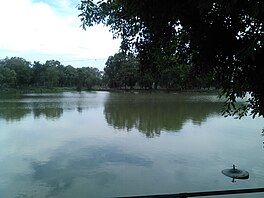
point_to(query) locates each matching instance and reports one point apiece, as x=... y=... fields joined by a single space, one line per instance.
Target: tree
x=174 y=77
x=146 y=80
x=121 y=70
x=129 y=71
x=7 y=76
x=70 y=75
x=22 y=69
x=62 y=76
x=52 y=73
x=223 y=38
x=88 y=77
x=16 y=72
x=112 y=70
x=39 y=74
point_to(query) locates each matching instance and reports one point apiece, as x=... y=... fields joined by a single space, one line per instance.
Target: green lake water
x=100 y=144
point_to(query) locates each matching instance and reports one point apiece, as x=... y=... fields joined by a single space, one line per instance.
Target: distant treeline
x=19 y=73
x=122 y=71
x=128 y=71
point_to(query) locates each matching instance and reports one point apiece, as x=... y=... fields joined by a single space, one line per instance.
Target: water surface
x=100 y=144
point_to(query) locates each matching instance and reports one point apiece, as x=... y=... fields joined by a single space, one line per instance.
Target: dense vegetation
x=217 y=38
x=121 y=72
x=18 y=73
x=125 y=71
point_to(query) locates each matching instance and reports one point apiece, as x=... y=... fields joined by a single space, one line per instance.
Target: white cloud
x=40 y=28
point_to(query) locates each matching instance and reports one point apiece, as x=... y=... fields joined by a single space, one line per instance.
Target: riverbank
x=175 y=91
x=37 y=90
x=63 y=89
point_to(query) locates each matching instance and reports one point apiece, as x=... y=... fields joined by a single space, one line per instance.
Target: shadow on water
x=153 y=113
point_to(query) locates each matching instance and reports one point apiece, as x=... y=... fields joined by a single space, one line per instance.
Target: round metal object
x=236 y=173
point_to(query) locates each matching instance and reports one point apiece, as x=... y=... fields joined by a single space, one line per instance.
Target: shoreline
x=74 y=89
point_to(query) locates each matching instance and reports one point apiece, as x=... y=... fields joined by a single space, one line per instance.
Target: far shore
x=73 y=89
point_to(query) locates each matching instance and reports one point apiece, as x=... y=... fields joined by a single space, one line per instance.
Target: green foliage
x=38 y=74
x=17 y=72
x=221 y=39
x=88 y=77
x=69 y=76
x=121 y=71
x=146 y=80
x=7 y=76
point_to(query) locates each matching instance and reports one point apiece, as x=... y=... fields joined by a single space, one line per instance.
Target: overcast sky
x=40 y=30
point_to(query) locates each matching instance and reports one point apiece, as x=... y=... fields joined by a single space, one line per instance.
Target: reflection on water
x=149 y=113
x=51 y=106
x=75 y=145
x=60 y=170
x=152 y=113
x=13 y=111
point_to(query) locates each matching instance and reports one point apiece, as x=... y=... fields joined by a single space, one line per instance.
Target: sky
x=40 y=30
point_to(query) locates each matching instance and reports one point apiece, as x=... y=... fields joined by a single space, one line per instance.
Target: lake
x=101 y=144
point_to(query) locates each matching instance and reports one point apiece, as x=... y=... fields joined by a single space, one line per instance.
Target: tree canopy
x=18 y=73
x=218 y=38
x=123 y=71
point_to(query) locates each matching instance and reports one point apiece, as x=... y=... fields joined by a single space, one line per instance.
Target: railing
x=204 y=194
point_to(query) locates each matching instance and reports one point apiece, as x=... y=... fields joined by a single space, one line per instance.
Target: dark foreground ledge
x=208 y=193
